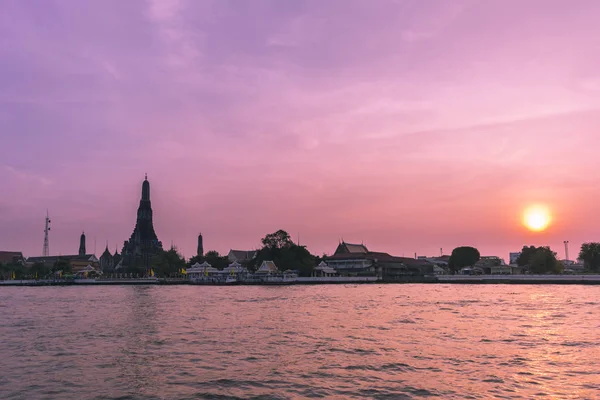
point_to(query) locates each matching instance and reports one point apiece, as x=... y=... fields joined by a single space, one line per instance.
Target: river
x=335 y=341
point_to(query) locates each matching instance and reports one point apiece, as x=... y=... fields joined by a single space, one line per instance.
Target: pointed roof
x=242 y=255
x=268 y=267
x=106 y=253
x=349 y=248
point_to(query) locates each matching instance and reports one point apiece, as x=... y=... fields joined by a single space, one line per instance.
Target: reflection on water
x=392 y=341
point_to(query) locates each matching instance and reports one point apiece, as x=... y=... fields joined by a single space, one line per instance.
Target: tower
x=143 y=243
x=46 y=251
x=200 y=246
x=82 y=244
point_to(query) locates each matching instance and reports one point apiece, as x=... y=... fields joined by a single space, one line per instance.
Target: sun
x=537 y=218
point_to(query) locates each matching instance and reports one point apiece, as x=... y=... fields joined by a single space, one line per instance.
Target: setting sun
x=537 y=218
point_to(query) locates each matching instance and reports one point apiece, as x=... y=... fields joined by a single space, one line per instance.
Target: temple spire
x=82 y=244
x=200 y=251
x=146 y=189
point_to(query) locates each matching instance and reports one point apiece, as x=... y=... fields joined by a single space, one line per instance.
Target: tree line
x=277 y=247
x=536 y=260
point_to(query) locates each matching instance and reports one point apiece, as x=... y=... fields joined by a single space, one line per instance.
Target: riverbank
x=444 y=279
x=522 y=279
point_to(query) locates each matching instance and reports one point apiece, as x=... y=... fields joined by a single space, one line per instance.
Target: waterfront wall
x=469 y=279
x=337 y=279
x=562 y=279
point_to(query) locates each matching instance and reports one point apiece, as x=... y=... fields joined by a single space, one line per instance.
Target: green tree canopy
x=278 y=240
x=168 y=263
x=464 y=256
x=216 y=260
x=279 y=248
x=590 y=254
x=212 y=257
x=526 y=254
x=40 y=270
x=62 y=265
x=544 y=261
x=20 y=271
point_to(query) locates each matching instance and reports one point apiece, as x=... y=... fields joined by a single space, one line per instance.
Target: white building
x=267 y=267
x=324 y=270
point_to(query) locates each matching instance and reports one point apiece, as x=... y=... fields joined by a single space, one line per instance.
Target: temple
x=143 y=244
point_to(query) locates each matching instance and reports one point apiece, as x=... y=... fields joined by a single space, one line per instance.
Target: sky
x=408 y=125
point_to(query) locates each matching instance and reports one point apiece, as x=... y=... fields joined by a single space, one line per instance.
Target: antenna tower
x=46 y=251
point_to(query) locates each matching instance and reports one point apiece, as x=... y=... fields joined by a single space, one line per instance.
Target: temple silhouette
x=143 y=244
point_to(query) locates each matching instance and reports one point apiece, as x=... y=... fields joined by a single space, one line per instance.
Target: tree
x=7 y=270
x=278 y=240
x=544 y=261
x=279 y=248
x=216 y=260
x=168 y=263
x=464 y=256
x=525 y=257
x=590 y=254
x=40 y=270
x=62 y=265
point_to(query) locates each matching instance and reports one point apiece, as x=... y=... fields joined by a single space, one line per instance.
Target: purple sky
x=409 y=125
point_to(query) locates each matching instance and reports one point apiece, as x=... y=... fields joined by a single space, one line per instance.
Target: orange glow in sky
x=537 y=218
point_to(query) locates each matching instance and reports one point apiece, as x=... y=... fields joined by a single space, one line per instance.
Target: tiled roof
x=242 y=255
x=47 y=259
x=106 y=253
x=10 y=256
x=351 y=248
x=356 y=248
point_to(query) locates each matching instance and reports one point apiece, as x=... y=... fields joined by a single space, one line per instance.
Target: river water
x=334 y=341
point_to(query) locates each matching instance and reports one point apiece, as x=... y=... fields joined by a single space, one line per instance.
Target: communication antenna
x=46 y=251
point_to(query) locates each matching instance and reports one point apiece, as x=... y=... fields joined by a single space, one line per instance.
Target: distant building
x=513 y=257
x=77 y=261
x=571 y=266
x=11 y=257
x=267 y=267
x=108 y=261
x=440 y=263
x=241 y=256
x=356 y=260
x=493 y=265
x=324 y=270
x=488 y=261
x=143 y=244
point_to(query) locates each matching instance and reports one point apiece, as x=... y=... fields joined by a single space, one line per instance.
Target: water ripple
x=343 y=341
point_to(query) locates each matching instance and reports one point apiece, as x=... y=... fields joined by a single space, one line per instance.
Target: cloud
x=430 y=24
x=181 y=42
x=27 y=177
